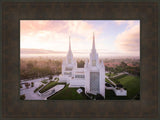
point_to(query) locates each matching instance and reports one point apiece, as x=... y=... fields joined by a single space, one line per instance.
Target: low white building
x=91 y=77
x=120 y=92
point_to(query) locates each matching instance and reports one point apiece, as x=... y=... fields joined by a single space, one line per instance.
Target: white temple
x=91 y=77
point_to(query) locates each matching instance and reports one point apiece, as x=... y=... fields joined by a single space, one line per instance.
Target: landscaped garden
x=110 y=74
x=48 y=86
x=129 y=82
x=132 y=84
x=106 y=80
x=115 y=79
x=44 y=81
x=68 y=94
x=110 y=95
x=38 y=88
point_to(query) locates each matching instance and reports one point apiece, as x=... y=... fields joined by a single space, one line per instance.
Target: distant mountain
x=38 y=51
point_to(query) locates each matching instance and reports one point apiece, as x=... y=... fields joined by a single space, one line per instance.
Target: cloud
x=38 y=51
x=76 y=27
x=54 y=34
x=129 y=23
x=129 y=40
x=119 y=22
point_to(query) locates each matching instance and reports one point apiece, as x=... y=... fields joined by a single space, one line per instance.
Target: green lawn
x=48 y=86
x=132 y=84
x=68 y=94
x=118 y=77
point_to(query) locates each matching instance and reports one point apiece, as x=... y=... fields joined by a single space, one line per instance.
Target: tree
x=50 y=77
x=123 y=66
x=33 y=68
x=22 y=97
x=27 y=85
x=80 y=64
x=32 y=84
x=109 y=75
x=106 y=68
x=134 y=70
x=29 y=65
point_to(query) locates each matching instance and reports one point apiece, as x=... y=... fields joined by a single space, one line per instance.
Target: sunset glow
x=112 y=37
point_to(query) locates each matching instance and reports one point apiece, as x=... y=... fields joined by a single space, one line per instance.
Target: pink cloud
x=119 y=22
x=69 y=27
x=38 y=51
x=53 y=34
x=129 y=40
x=130 y=23
x=35 y=26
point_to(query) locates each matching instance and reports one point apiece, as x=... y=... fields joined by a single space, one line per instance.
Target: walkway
x=110 y=80
x=29 y=93
x=119 y=74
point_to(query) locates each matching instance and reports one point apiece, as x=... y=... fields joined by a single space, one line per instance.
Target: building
x=91 y=77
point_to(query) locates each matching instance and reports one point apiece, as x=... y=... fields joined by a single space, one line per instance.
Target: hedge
x=38 y=88
x=48 y=86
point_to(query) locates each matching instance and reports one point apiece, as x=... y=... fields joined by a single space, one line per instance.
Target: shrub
x=125 y=88
x=137 y=97
x=108 y=85
x=38 y=88
x=91 y=96
x=22 y=97
x=56 y=78
x=48 y=86
x=120 y=85
x=32 y=84
x=99 y=97
x=27 y=85
x=44 y=81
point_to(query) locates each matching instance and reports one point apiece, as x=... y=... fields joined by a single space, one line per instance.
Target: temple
x=91 y=77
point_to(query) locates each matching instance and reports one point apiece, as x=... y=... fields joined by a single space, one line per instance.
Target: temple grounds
x=44 y=85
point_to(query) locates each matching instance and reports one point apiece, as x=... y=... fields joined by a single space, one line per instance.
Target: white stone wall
x=77 y=83
x=102 y=82
x=92 y=66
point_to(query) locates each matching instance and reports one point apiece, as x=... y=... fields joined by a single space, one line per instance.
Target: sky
x=51 y=37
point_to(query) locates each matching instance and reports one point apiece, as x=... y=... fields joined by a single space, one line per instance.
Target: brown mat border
x=13 y=12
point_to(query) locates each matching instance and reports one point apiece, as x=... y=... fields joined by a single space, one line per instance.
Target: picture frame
x=13 y=12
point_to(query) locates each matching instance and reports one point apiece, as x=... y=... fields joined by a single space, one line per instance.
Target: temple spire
x=69 y=44
x=93 y=44
x=69 y=50
x=69 y=54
